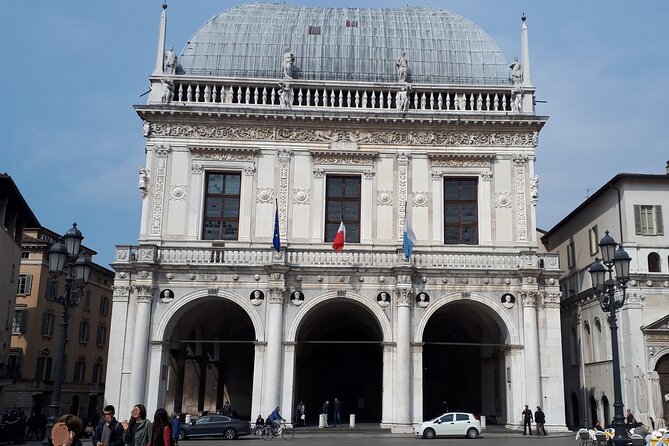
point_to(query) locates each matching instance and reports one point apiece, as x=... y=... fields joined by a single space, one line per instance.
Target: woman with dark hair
x=65 y=431
x=161 y=432
x=137 y=431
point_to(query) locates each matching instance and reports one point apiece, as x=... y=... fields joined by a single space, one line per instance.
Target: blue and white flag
x=409 y=236
x=276 y=242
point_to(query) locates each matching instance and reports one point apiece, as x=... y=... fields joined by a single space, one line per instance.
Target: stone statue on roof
x=168 y=90
x=170 y=61
x=288 y=62
x=285 y=95
x=402 y=102
x=402 y=68
x=516 y=72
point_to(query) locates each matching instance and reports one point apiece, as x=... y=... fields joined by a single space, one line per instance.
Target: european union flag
x=276 y=242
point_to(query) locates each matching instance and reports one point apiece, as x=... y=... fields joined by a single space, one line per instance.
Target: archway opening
x=464 y=362
x=339 y=355
x=211 y=358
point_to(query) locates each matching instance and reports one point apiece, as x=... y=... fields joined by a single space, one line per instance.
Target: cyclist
x=275 y=418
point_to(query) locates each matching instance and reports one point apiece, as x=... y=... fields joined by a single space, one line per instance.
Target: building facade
x=36 y=333
x=632 y=207
x=15 y=215
x=313 y=117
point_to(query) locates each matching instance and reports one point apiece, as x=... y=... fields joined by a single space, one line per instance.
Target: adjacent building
x=36 y=332
x=275 y=126
x=15 y=215
x=633 y=209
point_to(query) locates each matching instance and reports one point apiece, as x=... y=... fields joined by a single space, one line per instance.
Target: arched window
x=598 y=342
x=573 y=346
x=606 y=408
x=654 y=263
x=593 y=410
x=587 y=342
x=575 y=416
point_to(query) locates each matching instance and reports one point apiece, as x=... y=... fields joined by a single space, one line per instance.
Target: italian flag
x=338 y=243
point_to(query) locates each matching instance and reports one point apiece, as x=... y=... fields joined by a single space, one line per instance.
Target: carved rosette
x=265 y=195
x=301 y=196
x=284 y=167
x=502 y=200
x=196 y=168
x=551 y=299
x=529 y=298
x=276 y=295
x=402 y=170
x=319 y=173
x=420 y=199
x=384 y=198
x=144 y=293
x=162 y=153
x=486 y=175
x=121 y=293
x=421 y=138
x=178 y=192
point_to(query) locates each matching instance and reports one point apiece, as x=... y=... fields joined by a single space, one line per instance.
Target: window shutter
x=24 y=322
x=637 y=219
x=29 y=283
x=658 y=219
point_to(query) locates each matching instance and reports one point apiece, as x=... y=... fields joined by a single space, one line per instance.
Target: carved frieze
x=284 y=167
x=343 y=158
x=221 y=154
x=444 y=160
x=159 y=191
x=430 y=138
x=402 y=181
x=521 y=208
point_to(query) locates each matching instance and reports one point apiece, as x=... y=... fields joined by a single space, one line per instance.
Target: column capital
x=276 y=295
x=121 y=293
x=144 y=293
x=529 y=298
x=403 y=296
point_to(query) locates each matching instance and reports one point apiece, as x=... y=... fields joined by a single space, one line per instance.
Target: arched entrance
x=464 y=361
x=211 y=358
x=662 y=369
x=339 y=355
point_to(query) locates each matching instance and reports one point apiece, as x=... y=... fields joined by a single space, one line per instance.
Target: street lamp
x=65 y=256
x=611 y=295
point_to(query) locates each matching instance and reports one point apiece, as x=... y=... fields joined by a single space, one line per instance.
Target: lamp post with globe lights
x=611 y=295
x=65 y=256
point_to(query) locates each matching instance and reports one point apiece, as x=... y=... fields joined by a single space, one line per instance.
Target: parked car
x=456 y=424
x=215 y=426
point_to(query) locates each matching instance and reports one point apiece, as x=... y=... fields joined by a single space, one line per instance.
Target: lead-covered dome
x=356 y=44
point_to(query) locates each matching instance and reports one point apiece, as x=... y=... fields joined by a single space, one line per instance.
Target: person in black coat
x=540 y=419
x=108 y=432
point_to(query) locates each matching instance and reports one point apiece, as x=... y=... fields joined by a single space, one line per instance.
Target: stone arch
x=365 y=301
x=167 y=322
x=659 y=354
x=499 y=313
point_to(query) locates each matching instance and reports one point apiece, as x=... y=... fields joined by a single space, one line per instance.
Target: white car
x=456 y=424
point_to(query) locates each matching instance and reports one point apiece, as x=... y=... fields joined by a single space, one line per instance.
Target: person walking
x=176 y=427
x=540 y=419
x=302 y=413
x=527 y=420
x=337 y=412
x=109 y=432
x=137 y=431
x=161 y=431
x=326 y=409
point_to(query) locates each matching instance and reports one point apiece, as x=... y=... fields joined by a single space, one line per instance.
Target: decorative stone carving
x=196 y=168
x=344 y=145
x=420 y=199
x=256 y=277
x=288 y=63
x=144 y=293
x=143 y=182
x=420 y=138
x=635 y=300
x=192 y=276
x=257 y=297
x=170 y=62
x=343 y=158
x=265 y=195
x=235 y=277
x=341 y=293
x=222 y=154
x=166 y=295
x=169 y=276
x=121 y=293
x=319 y=173
x=422 y=299
x=297 y=298
x=146 y=128
x=521 y=209
x=466 y=294
x=437 y=176
x=178 y=192
x=168 y=90
x=552 y=299
x=529 y=298
x=402 y=66
x=285 y=95
x=402 y=169
x=369 y=173
x=284 y=164
x=383 y=299
x=403 y=296
x=159 y=194
x=502 y=200
x=517 y=100
x=384 y=198
x=213 y=291
x=249 y=171
x=508 y=300
x=443 y=160
x=516 y=72
x=301 y=196
x=402 y=103
x=486 y=175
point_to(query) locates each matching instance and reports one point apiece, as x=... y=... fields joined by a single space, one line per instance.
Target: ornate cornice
x=354 y=158
x=422 y=138
x=222 y=154
x=450 y=160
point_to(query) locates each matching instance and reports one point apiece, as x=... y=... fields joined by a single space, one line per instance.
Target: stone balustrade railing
x=331 y=95
x=328 y=258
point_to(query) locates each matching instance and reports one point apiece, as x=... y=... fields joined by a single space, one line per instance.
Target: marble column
x=272 y=380
x=418 y=383
x=118 y=332
x=402 y=419
x=531 y=338
x=141 y=343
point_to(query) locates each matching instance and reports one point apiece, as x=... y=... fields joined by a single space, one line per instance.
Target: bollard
x=483 y=422
x=351 y=421
x=321 y=421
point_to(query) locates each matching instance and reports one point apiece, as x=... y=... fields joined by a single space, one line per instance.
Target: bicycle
x=286 y=432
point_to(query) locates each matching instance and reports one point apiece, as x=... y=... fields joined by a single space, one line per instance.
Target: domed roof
x=356 y=44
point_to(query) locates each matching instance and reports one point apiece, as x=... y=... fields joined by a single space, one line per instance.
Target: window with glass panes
x=342 y=203
x=221 y=206
x=461 y=211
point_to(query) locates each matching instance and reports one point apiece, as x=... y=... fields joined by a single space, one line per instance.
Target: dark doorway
x=463 y=362
x=212 y=359
x=575 y=415
x=593 y=411
x=339 y=355
x=607 y=411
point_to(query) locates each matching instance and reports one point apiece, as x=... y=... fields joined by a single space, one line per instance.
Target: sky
x=72 y=70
